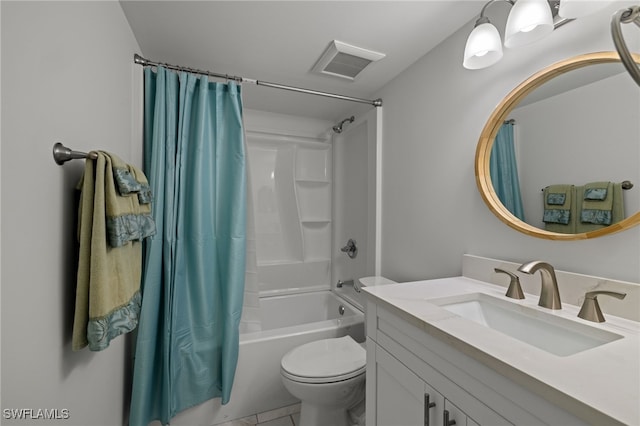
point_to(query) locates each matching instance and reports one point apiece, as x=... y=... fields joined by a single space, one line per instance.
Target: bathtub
x=287 y=321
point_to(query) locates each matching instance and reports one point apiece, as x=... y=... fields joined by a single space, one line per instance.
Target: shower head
x=338 y=127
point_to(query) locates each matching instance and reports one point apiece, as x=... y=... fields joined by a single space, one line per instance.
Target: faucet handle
x=515 y=290
x=590 y=309
x=351 y=249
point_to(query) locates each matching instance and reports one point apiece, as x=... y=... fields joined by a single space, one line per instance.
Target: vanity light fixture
x=528 y=21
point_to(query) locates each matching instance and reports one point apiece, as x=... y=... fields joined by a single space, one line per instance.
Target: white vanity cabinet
x=415 y=379
x=404 y=399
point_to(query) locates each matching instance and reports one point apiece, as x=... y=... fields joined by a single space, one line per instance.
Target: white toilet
x=328 y=377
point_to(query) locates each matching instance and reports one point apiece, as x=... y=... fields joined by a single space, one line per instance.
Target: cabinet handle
x=427 y=406
x=445 y=418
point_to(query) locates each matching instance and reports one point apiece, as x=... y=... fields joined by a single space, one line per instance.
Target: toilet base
x=328 y=404
x=313 y=415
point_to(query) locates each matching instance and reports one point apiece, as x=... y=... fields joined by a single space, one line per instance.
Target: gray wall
x=433 y=115
x=67 y=75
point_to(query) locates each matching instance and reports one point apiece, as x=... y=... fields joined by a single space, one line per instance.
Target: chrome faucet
x=549 y=294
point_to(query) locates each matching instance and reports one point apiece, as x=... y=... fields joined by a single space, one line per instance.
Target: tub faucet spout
x=549 y=293
x=355 y=285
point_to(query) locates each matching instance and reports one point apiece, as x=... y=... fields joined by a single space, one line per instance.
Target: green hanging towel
x=112 y=223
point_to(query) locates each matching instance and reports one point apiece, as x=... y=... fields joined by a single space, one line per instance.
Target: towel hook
x=62 y=154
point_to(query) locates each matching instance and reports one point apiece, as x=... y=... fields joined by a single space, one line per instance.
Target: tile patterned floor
x=285 y=416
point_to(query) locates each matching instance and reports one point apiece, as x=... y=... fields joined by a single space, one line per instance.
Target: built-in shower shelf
x=316 y=237
x=314 y=201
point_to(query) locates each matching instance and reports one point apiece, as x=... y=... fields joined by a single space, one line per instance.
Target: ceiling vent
x=344 y=60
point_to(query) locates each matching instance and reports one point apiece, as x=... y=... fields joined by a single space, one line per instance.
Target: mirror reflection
x=560 y=157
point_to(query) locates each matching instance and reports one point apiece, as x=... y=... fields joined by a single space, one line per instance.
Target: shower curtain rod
x=146 y=62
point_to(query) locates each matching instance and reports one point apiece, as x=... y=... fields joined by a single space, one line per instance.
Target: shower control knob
x=350 y=249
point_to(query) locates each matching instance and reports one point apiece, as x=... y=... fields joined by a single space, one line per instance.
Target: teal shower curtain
x=504 y=171
x=194 y=269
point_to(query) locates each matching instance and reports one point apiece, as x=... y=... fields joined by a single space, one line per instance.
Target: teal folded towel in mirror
x=595 y=193
x=598 y=217
x=556 y=199
x=556 y=216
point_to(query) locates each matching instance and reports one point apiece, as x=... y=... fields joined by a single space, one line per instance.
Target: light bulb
x=483 y=48
x=528 y=21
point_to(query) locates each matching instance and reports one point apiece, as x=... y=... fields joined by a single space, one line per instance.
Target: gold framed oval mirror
x=534 y=87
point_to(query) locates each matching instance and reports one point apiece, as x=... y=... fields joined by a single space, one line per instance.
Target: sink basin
x=546 y=331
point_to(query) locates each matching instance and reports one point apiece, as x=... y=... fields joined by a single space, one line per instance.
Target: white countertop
x=605 y=378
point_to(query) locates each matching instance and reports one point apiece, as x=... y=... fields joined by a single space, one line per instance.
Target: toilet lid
x=325 y=360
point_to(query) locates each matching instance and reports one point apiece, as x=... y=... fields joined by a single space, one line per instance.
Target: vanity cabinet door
x=471 y=422
x=454 y=414
x=434 y=404
x=402 y=398
x=399 y=395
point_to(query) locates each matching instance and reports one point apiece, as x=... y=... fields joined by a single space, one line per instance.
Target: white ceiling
x=280 y=41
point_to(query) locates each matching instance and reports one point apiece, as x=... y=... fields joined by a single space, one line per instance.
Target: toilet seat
x=325 y=361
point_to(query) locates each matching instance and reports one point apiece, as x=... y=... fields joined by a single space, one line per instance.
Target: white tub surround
x=291 y=175
x=518 y=382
